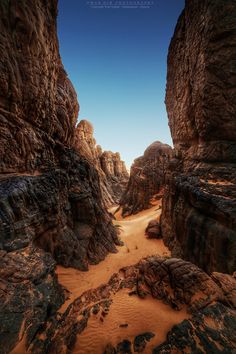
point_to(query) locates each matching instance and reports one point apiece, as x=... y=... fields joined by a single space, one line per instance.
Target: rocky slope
x=50 y=196
x=199 y=214
x=207 y=304
x=113 y=176
x=147 y=178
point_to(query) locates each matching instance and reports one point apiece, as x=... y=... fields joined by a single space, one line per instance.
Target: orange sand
x=141 y=315
x=136 y=246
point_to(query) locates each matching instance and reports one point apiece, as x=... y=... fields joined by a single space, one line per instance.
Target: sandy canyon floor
x=128 y=316
x=136 y=246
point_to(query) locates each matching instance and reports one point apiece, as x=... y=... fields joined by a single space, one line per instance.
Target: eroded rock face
x=112 y=172
x=210 y=317
x=147 y=178
x=50 y=196
x=38 y=102
x=29 y=292
x=116 y=173
x=85 y=142
x=199 y=214
x=53 y=192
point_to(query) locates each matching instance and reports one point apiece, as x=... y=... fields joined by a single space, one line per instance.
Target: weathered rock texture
x=153 y=230
x=199 y=206
x=209 y=327
x=147 y=178
x=116 y=173
x=50 y=196
x=113 y=176
x=29 y=294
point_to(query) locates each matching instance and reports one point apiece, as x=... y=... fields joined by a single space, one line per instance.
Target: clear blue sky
x=116 y=60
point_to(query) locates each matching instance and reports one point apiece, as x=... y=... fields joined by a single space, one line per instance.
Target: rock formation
x=112 y=172
x=147 y=177
x=210 y=314
x=199 y=214
x=153 y=229
x=29 y=294
x=116 y=173
x=50 y=197
x=85 y=142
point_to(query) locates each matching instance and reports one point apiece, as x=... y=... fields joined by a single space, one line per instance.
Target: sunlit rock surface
x=113 y=176
x=147 y=177
x=199 y=205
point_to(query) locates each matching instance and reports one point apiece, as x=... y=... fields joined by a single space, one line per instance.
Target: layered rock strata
x=113 y=176
x=199 y=205
x=147 y=177
x=50 y=197
x=210 y=314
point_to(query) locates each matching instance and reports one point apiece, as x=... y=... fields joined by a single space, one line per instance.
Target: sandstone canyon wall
x=50 y=197
x=199 y=206
x=147 y=178
x=113 y=176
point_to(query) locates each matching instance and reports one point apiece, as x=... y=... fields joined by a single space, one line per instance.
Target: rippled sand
x=141 y=315
x=136 y=246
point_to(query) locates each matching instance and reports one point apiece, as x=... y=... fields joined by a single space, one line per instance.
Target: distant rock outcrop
x=199 y=205
x=115 y=172
x=50 y=196
x=113 y=175
x=85 y=142
x=146 y=180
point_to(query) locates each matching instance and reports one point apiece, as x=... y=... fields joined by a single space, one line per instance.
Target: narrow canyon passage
x=123 y=318
x=136 y=246
x=160 y=276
